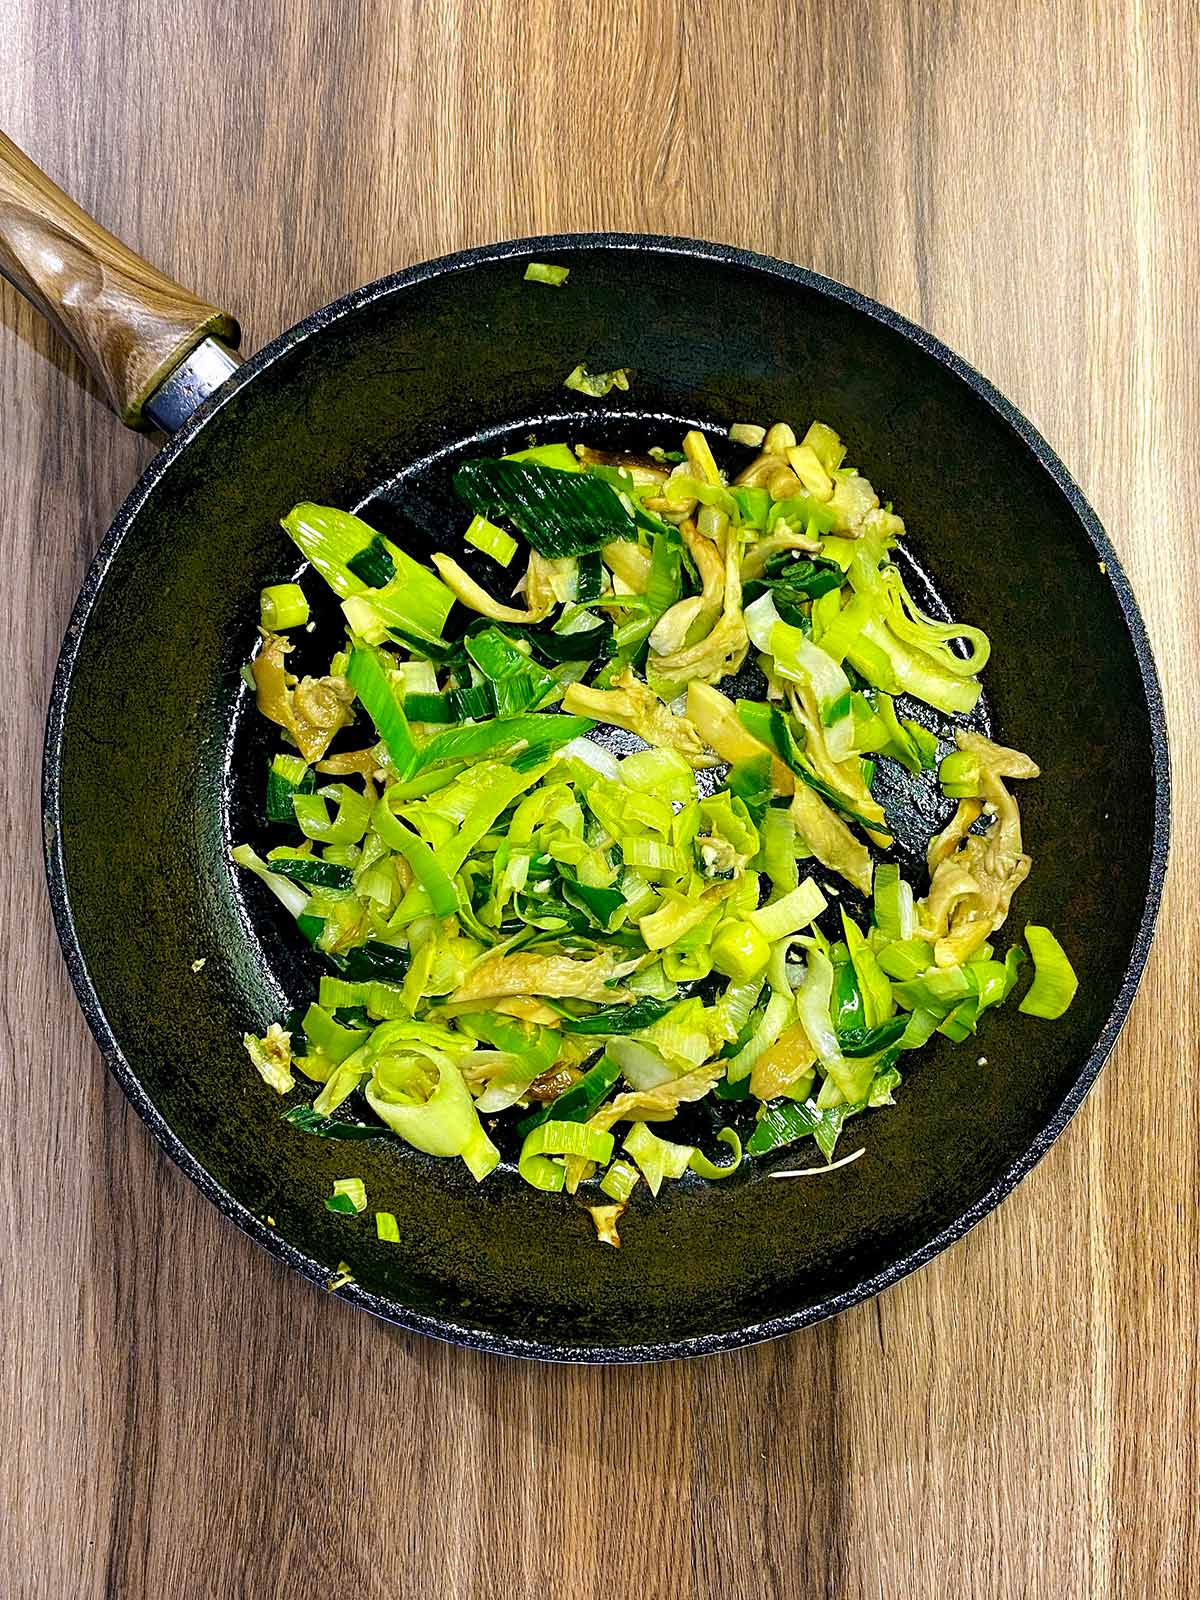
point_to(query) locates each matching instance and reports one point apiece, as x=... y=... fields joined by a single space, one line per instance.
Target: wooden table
x=178 y=1417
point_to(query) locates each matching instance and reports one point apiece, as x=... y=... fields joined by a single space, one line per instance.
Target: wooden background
x=178 y=1416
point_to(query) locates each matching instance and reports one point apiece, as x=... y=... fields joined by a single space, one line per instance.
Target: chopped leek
x=333 y=540
x=287 y=776
x=740 y=950
x=289 y=894
x=438 y=1117
x=385 y=708
x=426 y=868
x=518 y=683
x=788 y=915
x=1054 y=981
x=895 y=914
x=873 y=982
x=374 y=565
x=597 y=384
x=348 y=827
x=386 y=1227
x=548 y=455
x=660 y=772
x=578 y=1102
x=784 y=1122
x=542 y=272
x=620 y=1019
x=905 y=959
x=283 y=606
x=795 y=578
x=620 y=1180
x=753 y=505
x=769 y=726
x=310 y=1121
x=657 y=1158
x=750 y=782
x=329 y=1036
x=491 y=540
x=558 y=513
x=939 y=990
x=272 y=1057
x=330 y=539
x=807 y=466
x=959 y=775
x=349 y=1196
x=378 y=999
x=474 y=740
x=775 y=1017
x=549 y=1139
x=825 y=445
x=376 y=959
x=704 y=1168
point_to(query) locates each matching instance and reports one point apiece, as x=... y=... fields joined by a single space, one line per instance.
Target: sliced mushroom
x=971 y=890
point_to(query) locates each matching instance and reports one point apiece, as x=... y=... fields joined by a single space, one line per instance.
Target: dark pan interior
x=153 y=767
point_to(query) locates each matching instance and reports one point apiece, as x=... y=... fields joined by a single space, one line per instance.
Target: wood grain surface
x=180 y=1417
x=129 y=322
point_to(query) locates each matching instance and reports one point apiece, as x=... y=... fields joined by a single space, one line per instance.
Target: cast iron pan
x=153 y=761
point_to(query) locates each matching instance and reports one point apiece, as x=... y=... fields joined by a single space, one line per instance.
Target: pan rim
x=445 y=1328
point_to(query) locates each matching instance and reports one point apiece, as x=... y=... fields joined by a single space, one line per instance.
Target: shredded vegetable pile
x=623 y=971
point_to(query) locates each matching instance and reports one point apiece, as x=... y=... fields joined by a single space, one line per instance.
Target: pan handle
x=129 y=323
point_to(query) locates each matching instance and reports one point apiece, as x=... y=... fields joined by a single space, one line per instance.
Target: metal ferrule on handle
x=156 y=349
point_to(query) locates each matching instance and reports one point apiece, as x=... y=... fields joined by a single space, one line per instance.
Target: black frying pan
x=153 y=758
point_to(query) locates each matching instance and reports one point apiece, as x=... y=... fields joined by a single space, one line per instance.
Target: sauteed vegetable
x=624 y=970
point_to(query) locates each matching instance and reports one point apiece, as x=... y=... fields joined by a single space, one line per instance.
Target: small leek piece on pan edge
x=596 y=384
x=544 y=272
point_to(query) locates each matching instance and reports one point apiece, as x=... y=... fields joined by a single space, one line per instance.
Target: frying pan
x=154 y=760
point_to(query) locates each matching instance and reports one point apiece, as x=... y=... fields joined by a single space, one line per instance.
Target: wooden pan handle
x=130 y=324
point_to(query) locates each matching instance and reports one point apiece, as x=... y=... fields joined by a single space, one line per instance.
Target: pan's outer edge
x=444 y=1328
